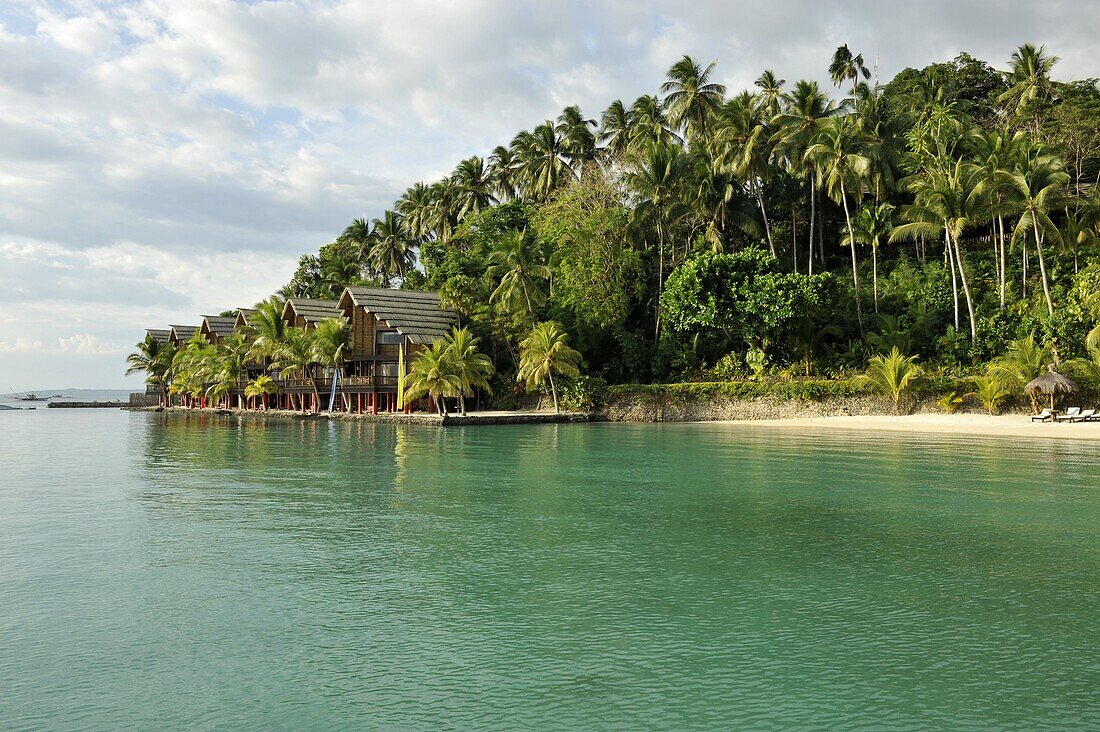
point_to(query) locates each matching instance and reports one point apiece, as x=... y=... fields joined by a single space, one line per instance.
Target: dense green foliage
x=779 y=232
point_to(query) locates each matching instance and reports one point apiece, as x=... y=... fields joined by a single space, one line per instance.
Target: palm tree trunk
x=821 y=238
x=813 y=213
x=855 y=269
x=1001 y=263
x=553 y=391
x=1042 y=265
x=950 y=260
x=966 y=292
x=767 y=228
x=874 y=273
x=794 y=237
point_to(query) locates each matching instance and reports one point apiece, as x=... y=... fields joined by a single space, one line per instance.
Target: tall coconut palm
x=578 y=138
x=846 y=67
x=433 y=374
x=995 y=153
x=841 y=163
x=502 y=172
x=657 y=183
x=544 y=165
x=1038 y=185
x=391 y=250
x=342 y=267
x=650 y=124
x=1029 y=79
x=796 y=126
x=953 y=198
x=474 y=185
x=545 y=352
x=472 y=367
x=691 y=97
x=444 y=209
x=616 y=129
x=771 y=93
x=357 y=234
x=519 y=265
x=415 y=207
x=872 y=225
x=742 y=140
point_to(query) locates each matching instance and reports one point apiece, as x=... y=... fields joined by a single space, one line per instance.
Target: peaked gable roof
x=417 y=315
x=313 y=310
x=219 y=325
x=184 y=332
x=160 y=335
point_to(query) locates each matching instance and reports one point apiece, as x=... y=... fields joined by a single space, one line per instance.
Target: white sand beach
x=1011 y=425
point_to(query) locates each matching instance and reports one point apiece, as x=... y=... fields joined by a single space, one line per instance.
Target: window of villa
x=389 y=338
x=387 y=369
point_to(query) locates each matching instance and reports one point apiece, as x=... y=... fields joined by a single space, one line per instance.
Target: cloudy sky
x=161 y=159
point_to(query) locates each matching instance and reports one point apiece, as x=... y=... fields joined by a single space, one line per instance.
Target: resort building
x=388 y=327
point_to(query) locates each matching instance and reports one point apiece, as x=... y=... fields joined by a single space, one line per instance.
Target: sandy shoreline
x=1012 y=425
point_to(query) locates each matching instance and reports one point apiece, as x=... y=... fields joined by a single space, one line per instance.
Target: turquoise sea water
x=187 y=572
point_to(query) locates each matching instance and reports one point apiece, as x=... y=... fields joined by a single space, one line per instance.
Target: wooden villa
x=387 y=328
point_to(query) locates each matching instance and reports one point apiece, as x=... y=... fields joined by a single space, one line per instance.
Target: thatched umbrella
x=1051 y=383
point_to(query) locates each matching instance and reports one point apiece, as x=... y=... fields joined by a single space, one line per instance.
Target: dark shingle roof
x=315 y=310
x=184 y=332
x=220 y=325
x=415 y=314
x=160 y=335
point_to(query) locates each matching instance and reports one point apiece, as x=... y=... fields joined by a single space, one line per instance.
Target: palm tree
x=267 y=330
x=742 y=141
x=990 y=391
x=950 y=201
x=841 y=164
x=543 y=162
x=519 y=265
x=995 y=153
x=771 y=93
x=391 y=251
x=890 y=374
x=358 y=234
x=341 y=268
x=433 y=374
x=657 y=182
x=444 y=209
x=578 y=138
x=502 y=172
x=650 y=124
x=616 y=129
x=1024 y=360
x=416 y=209
x=845 y=67
x=329 y=342
x=870 y=226
x=1029 y=79
x=155 y=359
x=1037 y=186
x=259 y=388
x=472 y=367
x=691 y=97
x=474 y=184
x=796 y=127
x=544 y=352
x=296 y=357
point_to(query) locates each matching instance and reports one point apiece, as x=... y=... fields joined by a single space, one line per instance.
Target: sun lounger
x=1085 y=416
x=1071 y=414
x=1042 y=416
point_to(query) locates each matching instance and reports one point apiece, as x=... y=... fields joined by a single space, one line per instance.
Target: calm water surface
x=191 y=572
